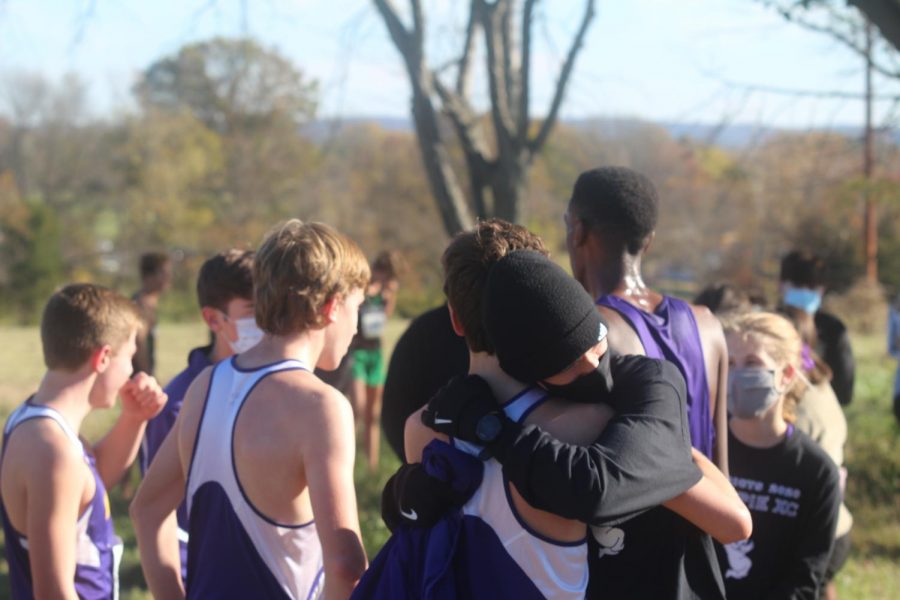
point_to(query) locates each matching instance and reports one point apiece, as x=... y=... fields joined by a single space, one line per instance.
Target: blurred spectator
x=366 y=352
x=723 y=298
x=426 y=356
x=156 y=278
x=894 y=349
x=802 y=285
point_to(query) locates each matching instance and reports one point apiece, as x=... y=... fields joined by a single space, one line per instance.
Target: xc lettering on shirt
x=774 y=498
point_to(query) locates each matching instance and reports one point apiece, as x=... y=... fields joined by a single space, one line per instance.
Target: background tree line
x=223 y=142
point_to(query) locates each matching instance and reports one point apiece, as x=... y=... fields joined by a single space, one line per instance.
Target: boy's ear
x=100 y=358
x=212 y=317
x=329 y=309
x=454 y=320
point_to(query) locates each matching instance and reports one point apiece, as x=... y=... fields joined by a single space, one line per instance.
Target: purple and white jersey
x=97 y=549
x=557 y=570
x=234 y=550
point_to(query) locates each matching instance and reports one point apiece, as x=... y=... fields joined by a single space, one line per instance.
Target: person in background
x=263 y=450
x=791 y=486
x=894 y=349
x=225 y=296
x=722 y=298
x=366 y=351
x=156 y=278
x=819 y=415
x=802 y=285
x=426 y=356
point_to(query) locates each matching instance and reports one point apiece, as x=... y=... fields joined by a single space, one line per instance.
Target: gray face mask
x=751 y=391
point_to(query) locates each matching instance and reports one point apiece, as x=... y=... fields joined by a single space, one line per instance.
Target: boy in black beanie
x=544 y=327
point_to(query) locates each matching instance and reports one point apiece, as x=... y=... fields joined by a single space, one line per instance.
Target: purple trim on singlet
x=187 y=480
x=790 y=430
x=158 y=429
x=316 y=588
x=237 y=416
x=92 y=581
x=223 y=559
x=529 y=528
x=670 y=332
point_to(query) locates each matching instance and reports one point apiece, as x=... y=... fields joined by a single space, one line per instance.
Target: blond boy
x=262 y=449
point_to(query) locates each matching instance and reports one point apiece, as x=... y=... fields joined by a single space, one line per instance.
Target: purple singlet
x=670 y=332
x=98 y=550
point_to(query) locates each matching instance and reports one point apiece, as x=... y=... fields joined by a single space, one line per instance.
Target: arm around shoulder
x=713 y=505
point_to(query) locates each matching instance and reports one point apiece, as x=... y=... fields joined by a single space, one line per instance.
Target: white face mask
x=248 y=334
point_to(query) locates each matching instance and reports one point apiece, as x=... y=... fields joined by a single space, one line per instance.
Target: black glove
x=457 y=407
x=413 y=497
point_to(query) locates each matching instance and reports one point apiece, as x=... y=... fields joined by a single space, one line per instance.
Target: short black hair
x=803 y=269
x=151 y=263
x=723 y=298
x=226 y=276
x=616 y=200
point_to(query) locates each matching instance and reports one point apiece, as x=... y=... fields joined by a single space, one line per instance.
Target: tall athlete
x=610 y=224
x=264 y=448
x=225 y=295
x=60 y=541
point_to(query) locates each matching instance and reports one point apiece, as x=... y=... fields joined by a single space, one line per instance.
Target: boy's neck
x=68 y=393
x=305 y=347
x=220 y=350
x=487 y=367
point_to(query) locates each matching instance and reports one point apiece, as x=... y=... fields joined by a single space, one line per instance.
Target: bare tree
x=498 y=150
x=851 y=26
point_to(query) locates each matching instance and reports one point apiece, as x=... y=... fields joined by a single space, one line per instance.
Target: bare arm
x=713 y=505
x=142 y=399
x=153 y=515
x=328 y=455
x=54 y=488
x=416 y=436
x=719 y=410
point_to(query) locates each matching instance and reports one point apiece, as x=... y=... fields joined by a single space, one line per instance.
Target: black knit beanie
x=539 y=318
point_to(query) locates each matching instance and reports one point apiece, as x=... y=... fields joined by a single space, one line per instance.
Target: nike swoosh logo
x=411 y=514
x=442 y=421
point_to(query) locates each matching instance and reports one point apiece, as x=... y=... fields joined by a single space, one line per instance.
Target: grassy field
x=873 y=459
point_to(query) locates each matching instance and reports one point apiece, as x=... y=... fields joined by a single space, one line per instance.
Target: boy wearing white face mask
x=225 y=295
x=790 y=485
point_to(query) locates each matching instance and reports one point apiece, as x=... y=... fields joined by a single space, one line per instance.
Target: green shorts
x=368 y=366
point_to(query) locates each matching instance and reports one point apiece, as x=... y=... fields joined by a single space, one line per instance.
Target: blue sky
x=651 y=59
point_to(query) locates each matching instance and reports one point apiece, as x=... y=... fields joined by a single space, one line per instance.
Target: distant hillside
x=735 y=135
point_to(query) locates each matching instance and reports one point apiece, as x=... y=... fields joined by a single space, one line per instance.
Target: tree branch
x=841 y=36
x=465 y=61
x=502 y=120
x=401 y=36
x=464 y=122
x=525 y=82
x=506 y=43
x=564 y=75
x=418 y=22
